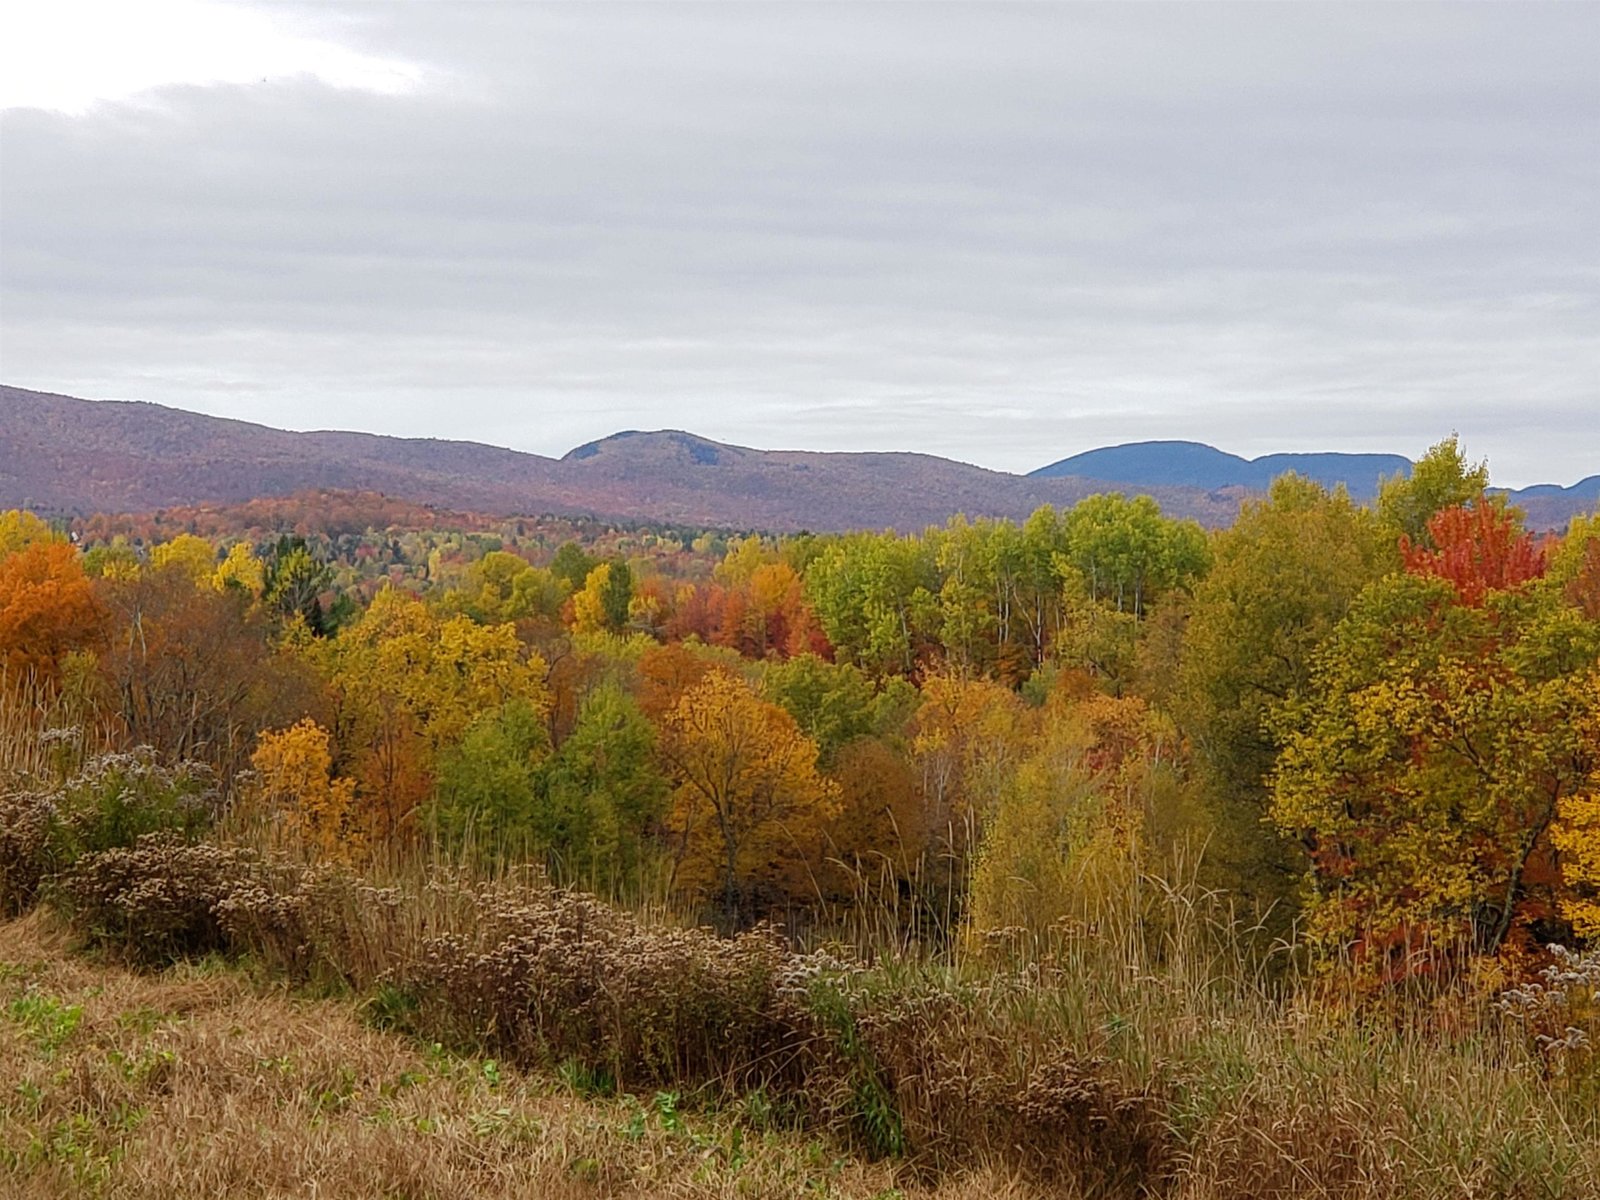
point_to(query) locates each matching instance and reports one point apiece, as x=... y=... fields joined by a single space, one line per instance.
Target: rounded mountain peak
x=654 y=446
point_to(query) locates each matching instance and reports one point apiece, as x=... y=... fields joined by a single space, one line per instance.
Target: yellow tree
x=1425 y=766
x=1577 y=833
x=968 y=735
x=1067 y=834
x=241 y=569
x=192 y=555
x=588 y=602
x=20 y=529
x=408 y=684
x=750 y=809
x=294 y=769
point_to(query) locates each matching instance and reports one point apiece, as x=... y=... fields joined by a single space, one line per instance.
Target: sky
x=999 y=234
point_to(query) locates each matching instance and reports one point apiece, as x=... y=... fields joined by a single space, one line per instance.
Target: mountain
x=69 y=456
x=1194 y=464
x=1550 y=506
x=64 y=455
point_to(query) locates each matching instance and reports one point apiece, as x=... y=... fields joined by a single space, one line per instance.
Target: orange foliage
x=750 y=809
x=1481 y=548
x=880 y=832
x=46 y=609
x=763 y=614
x=665 y=674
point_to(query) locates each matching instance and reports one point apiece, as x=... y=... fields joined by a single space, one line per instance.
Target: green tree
x=604 y=794
x=1440 y=479
x=572 y=565
x=295 y=581
x=1281 y=579
x=487 y=794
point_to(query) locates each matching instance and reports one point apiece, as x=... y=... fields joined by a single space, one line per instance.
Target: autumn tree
x=1576 y=835
x=408 y=683
x=502 y=586
x=749 y=807
x=601 y=605
x=1575 y=565
x=879 y=841
x=241 y=569
x=1476 y=549
x=20 y=529
x=1425 y=762
x=47 y=608
x=192 y=555
x=1282 y=578
x=1440 y=479
x=294 y=776
x=194 y=672
x=1067 y=835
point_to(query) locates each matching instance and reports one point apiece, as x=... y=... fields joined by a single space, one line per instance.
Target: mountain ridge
x=67 y=455
x=1196 y=464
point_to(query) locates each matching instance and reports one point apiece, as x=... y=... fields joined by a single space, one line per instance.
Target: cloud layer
x=999 y=234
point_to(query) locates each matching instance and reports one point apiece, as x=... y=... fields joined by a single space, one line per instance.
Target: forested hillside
x=70 y=457
x=1084 y=848
x=79 y=457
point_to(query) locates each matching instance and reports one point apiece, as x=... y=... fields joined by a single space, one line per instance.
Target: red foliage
x=1481 y=548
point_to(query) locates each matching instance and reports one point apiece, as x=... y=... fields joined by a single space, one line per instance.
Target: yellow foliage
x=241 y=568
x=1067 y=835
x=295 y=771
x=1576 y=836
x=968 y=736
x=192 y=555
x=408 y=683
x=588 y=603
x=750 y=808
x=20 y=529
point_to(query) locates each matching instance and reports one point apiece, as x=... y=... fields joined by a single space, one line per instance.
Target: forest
x=1097 y=854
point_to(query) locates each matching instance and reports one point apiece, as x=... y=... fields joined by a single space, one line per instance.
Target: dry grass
x=195 y=1082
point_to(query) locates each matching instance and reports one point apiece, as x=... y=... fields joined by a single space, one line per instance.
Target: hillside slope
x=72 y=456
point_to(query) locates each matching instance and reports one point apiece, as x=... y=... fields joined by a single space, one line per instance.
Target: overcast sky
x=999 y=234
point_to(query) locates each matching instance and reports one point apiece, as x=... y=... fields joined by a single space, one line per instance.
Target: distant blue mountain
x=1584 y=489
x=1194 y=464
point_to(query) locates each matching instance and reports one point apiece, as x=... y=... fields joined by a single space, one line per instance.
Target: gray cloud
x=1001 y=234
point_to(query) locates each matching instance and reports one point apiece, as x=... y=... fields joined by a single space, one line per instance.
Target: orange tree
x=46 y=608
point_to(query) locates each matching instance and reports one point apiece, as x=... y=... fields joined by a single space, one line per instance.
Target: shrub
x=114 y=800
x=553 y=975
x=157 y=900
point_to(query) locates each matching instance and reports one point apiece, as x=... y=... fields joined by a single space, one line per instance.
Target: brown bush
x=553 y=975
x=156 y=900
x=968 y=1084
